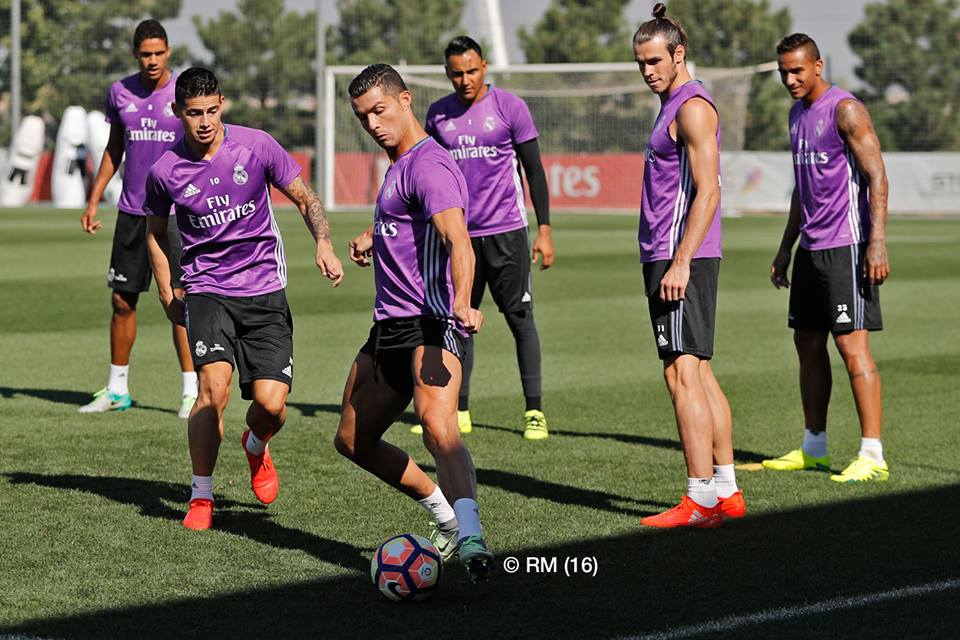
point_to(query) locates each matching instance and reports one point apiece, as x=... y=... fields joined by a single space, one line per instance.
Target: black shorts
x=503 y=264
x=829 y=292
x=391 y=344
x=254 y=334
x=685 y=326
x=130 y=261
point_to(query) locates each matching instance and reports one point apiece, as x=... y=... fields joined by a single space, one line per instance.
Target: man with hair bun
x=839 y=213
x=680 y=248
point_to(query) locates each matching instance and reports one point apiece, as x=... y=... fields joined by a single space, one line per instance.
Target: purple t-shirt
x=481 y=138
x=150 y=128
x=668 y=189
x=834 y=200
x=231 y=242
x=411 y=264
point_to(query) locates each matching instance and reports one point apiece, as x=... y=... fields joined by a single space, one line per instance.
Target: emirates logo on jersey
x=239 y=175
x=489 y=124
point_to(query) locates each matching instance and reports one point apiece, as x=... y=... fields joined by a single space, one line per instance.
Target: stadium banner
x=753 y=182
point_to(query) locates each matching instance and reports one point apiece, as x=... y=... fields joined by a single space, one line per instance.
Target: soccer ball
x=407 y=567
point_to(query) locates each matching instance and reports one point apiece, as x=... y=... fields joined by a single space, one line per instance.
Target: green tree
x=263 y=56
x=393 y=31
x=910 y=51
x=579 y=31
x=72 y=51
x=740 y=33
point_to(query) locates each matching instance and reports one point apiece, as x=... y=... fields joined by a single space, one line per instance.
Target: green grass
x=90 y=539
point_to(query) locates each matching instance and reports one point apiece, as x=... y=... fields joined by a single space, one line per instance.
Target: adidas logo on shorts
x=843 y=318
x=661 y=341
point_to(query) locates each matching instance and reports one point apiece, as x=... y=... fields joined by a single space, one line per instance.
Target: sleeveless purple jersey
x=668 y=189
x=150 y=128
x=481 y=138
x=231 y=242
x=411 y=264
x=834 y=202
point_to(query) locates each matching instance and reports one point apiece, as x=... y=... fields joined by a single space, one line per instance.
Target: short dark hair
x=460 y=45
x=196 y=82
x=147 y=30
x=377 y=75
x=797 y=40
x=662 y=27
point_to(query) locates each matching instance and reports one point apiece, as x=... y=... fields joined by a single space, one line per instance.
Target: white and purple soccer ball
x=407 y=567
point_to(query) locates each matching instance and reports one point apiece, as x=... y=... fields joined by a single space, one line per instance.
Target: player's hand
x=778 y=270
x=876 y=267
x=175 y=310
x=673 y=285
x=543 y=246
x=88 y=221
x=471 y=319
x=361 y=248
x=329 y=263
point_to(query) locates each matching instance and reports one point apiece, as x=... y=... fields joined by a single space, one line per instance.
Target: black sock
x=463 y=404
x=533 y=403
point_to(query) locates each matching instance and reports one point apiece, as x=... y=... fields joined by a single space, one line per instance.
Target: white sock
x=201 y=487
x=815 y=444
x=117 y=382
x=437 y=506
x=468 y=514
x=255 y=445
x=703 y=491
x=190 y=384
x=726 y=479
x=871 y=448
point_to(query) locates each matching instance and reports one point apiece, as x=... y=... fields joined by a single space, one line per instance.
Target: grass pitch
x=92 y=547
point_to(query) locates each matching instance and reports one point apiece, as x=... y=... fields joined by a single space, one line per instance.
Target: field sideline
x=90 y=535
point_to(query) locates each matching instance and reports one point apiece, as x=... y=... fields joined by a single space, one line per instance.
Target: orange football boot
x=734 y=506
x=686 y=514
x=200 y=515
x=263 y=475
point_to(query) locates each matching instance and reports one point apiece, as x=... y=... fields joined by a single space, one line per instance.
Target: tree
x=393 y=31
x=909 y=51
x=579 y=31
x=263 y=56
x=72 y=51
x=739 y=33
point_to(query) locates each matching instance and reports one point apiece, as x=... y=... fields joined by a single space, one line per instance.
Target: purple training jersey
x=835 y=208
x=411 y=264
x=231 y=242
x=149 y=129
x=481 y=137
x=668 y=189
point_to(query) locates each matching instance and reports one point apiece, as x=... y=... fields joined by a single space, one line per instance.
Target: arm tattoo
x=312 y=209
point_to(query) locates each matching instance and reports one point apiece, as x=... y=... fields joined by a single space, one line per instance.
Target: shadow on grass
x=646 y=581
x=72 y=398
x=530 y=487
x=741 y=455
x=249 y=520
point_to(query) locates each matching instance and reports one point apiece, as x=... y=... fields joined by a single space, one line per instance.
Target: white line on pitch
x=775 y=615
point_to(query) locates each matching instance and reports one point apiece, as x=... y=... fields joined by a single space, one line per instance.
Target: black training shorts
x=254 y=334
x=503 y=264
x=685 y=326
x=829 y=292
x=391 y=344
x=129 y=259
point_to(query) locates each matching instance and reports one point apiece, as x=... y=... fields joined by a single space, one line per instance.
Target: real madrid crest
x=819 y=128
x=489 y=124
x=239 y=175
x=168 y=110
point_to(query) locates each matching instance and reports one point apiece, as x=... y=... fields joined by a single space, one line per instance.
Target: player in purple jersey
x=423 y=269
x=490 y=133
x=142 y=127
x=680 y=251
x=217 y=180
x=839 y=213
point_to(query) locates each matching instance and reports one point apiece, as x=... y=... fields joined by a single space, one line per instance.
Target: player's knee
x=345 y=445
x=214 y=393
x=441 y=433
x=521 y=322
x=273 y=406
